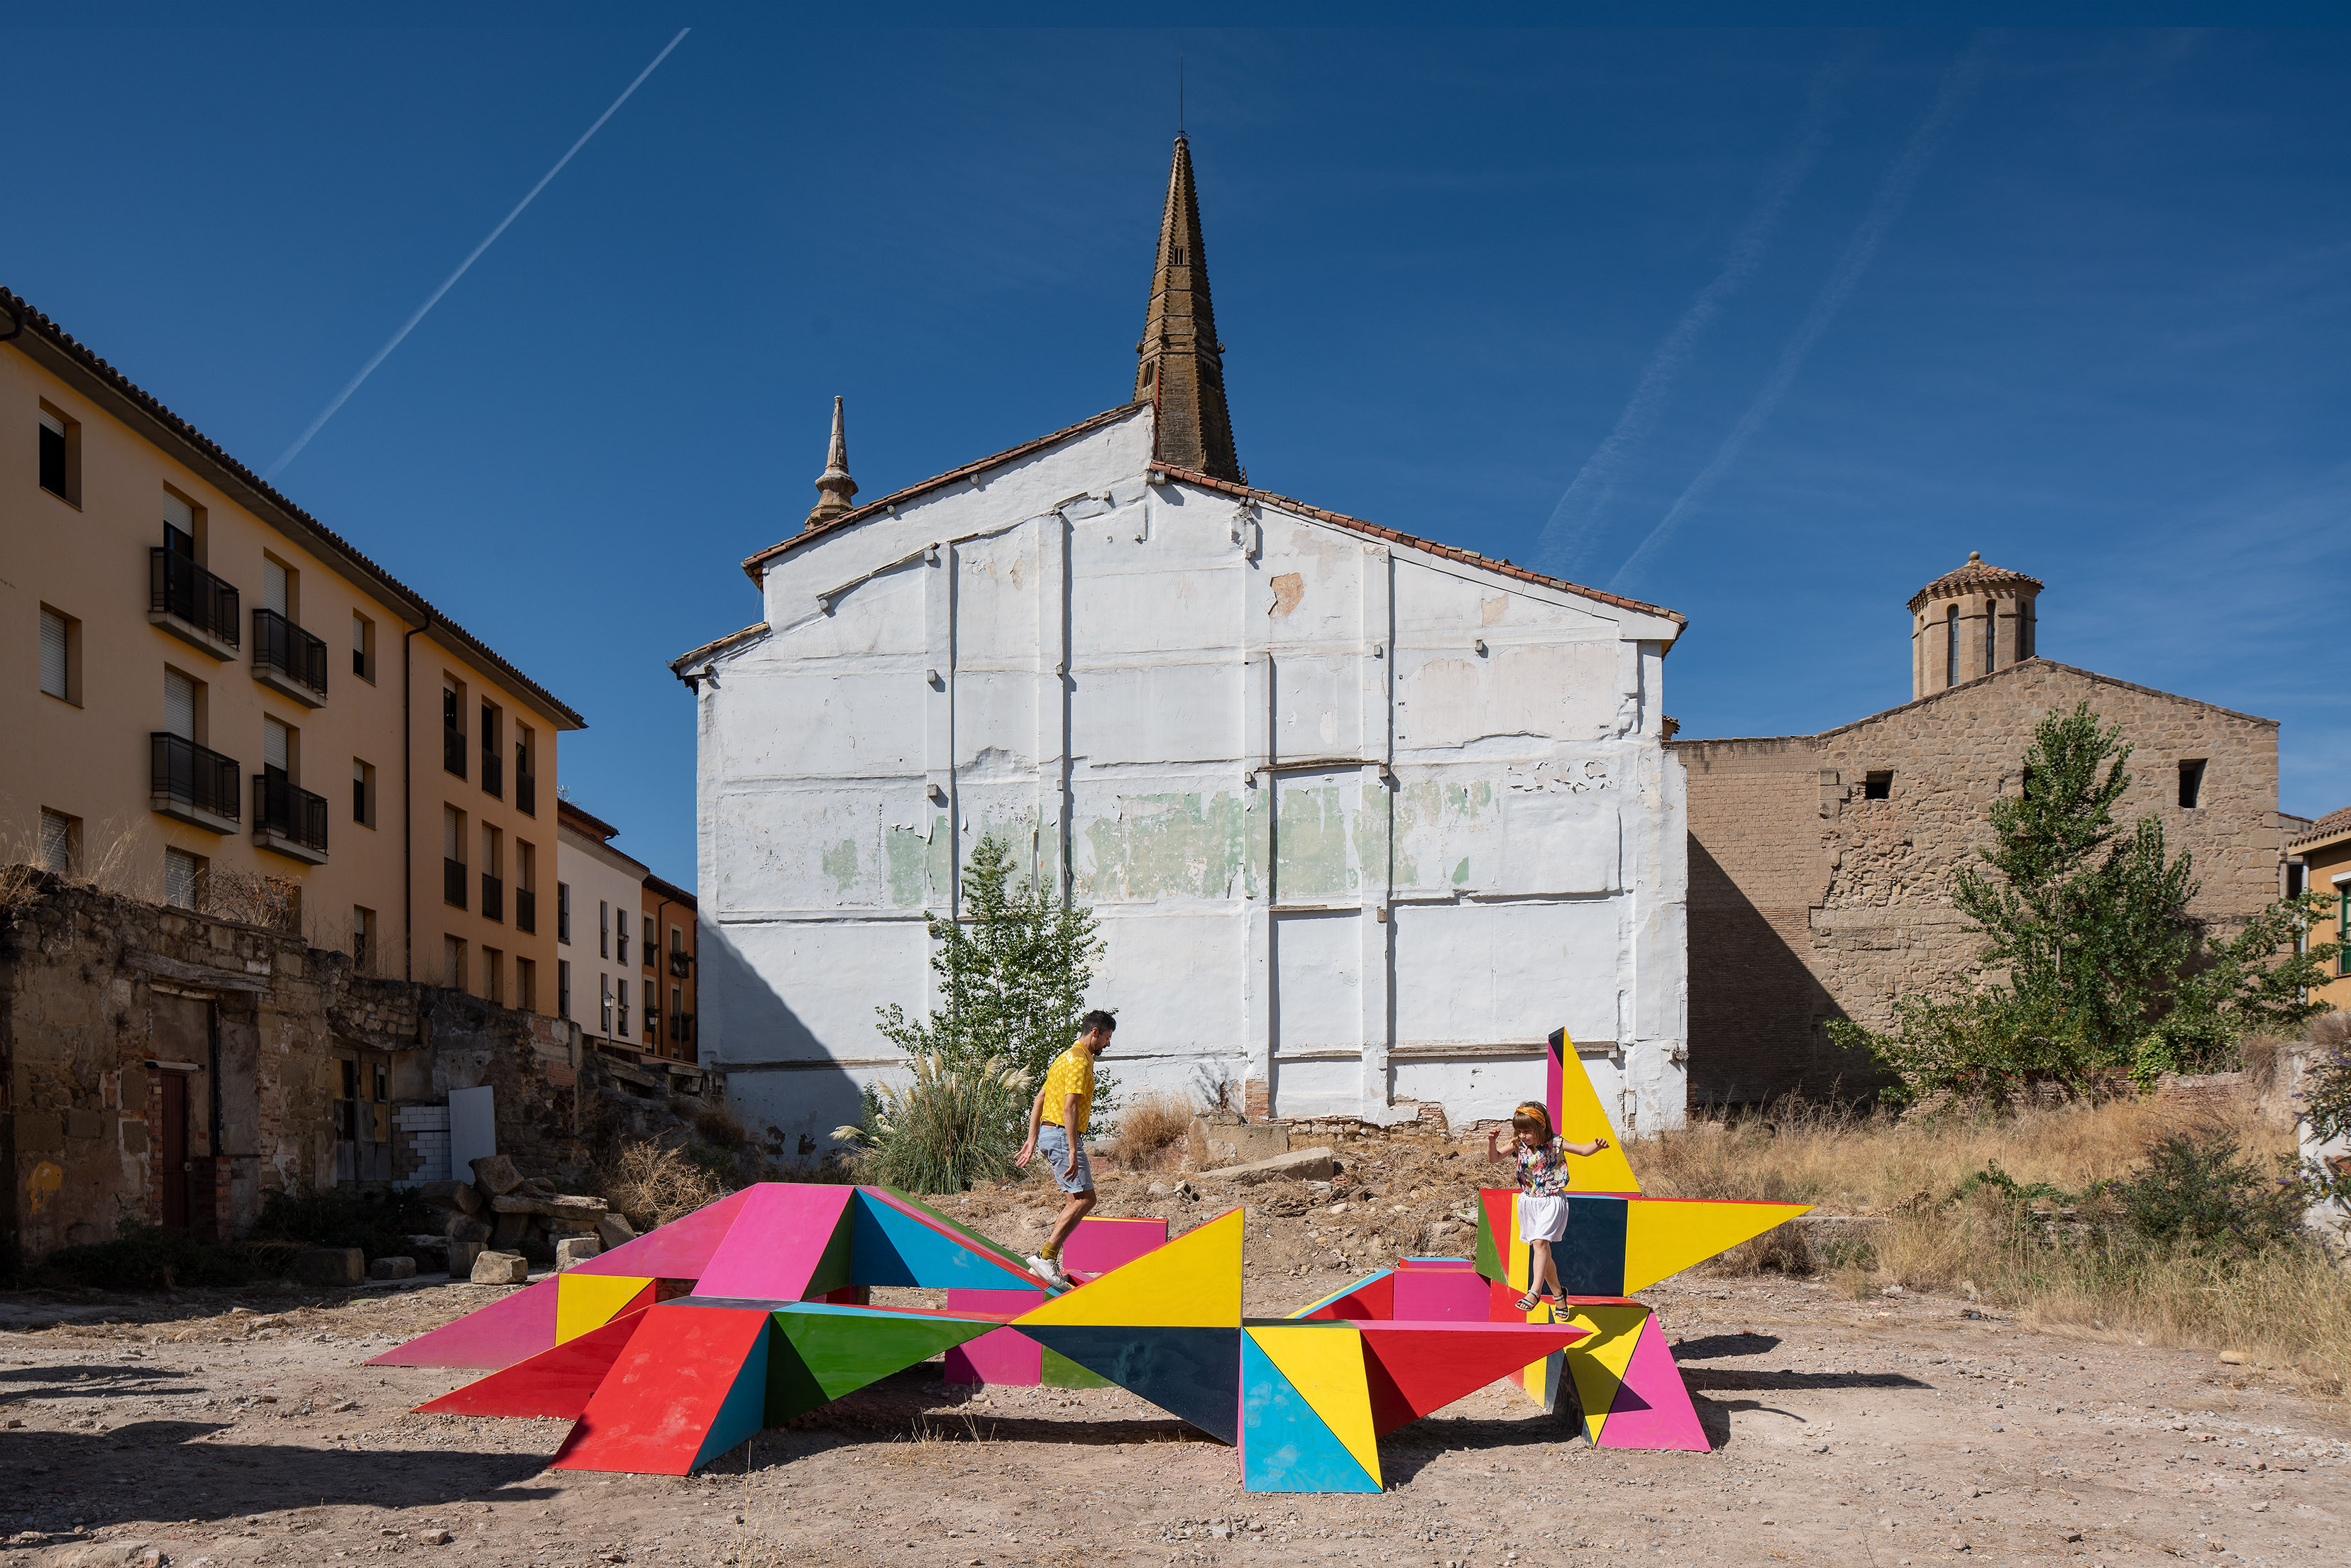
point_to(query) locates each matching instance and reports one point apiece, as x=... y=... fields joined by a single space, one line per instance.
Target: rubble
x=1299 y=1165
x=495 y=1175
x=576 y=1249
x=500 y=1269
x=392 y=1268
x=330 y=1266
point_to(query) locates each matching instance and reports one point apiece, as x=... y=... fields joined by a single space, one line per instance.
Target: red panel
x=1374 y=1300
x=654 y=1407
x=557 y=1382
x=1417 y=1368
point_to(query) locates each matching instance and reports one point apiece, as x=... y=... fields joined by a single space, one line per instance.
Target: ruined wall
x=126 y=1027
x=1810 y=901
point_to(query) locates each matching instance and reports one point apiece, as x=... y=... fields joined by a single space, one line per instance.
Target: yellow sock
x=1051 y=1252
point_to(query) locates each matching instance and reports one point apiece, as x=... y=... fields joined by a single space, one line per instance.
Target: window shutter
x=53 y=654
x=56 y=842
x=51 y=422
x=273 y=586
x=274 y=747
x=179 y=705
x=180 y=878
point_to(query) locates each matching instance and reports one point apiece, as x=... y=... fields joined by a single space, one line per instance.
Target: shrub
x=2201 y=1194
x=653 y=1185
x=956 y=1123
x=151 y=1257
x=1151 y=1125
x=377 y=1223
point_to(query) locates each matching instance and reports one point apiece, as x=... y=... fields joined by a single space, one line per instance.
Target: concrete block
x=496 y=1175
x=1301 y=1165
x=456 y=1195
x=330 y=1266
x=576 y=1249
x=462 y=1255
x=1232 y=1138
x=612 y=1229
x=501 y=1268
x=392 y=1268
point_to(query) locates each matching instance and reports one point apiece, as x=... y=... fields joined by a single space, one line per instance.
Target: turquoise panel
x=1285 y=1447
x=743 y=1413
x=890 y=1247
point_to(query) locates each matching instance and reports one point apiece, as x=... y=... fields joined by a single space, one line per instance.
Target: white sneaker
x=1048 y=1270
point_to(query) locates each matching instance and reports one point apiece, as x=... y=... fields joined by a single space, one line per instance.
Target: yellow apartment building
x=2319 y=861
x=211 y=699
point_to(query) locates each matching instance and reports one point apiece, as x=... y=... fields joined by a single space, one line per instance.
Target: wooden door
x=172 y=1162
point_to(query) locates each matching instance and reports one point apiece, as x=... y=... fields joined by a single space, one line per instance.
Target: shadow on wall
x=780 y=1081
x=1756 y=1009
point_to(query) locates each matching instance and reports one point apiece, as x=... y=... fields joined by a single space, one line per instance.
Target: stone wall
x=105 y=1002
x=1810 y=900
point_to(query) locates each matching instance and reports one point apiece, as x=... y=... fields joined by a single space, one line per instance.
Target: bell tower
x=1968 y=623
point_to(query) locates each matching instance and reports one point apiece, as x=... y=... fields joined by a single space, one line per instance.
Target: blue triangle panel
x=744 y=1411
x=890 y=1247
x=1193 y=1374
x=1285 y=1446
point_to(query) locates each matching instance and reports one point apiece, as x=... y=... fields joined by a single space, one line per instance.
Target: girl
x=1541 y=1156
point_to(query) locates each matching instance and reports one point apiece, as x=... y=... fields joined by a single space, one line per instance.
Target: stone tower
x=1967 y=623
x=836 y=491
x=1182 y=375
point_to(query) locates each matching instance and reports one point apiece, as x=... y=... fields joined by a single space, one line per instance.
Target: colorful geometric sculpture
x=1009 y=1357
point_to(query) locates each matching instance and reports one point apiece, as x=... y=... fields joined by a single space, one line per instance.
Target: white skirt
x=1542 y=1216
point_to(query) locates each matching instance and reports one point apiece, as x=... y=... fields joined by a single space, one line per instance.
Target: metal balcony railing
x=526 y=910
x=192 y=776
x=453 y=752
x=681 y=1027
x=453 y=884
x=494 y=897
x=178 y=586
x=526 y=792
x=281 y=646
x=680 y=965
x=287 y=810
x=494 y=779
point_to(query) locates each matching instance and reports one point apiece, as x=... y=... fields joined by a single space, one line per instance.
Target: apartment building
x=668 y=971
x=216 y=701
x=601 y=980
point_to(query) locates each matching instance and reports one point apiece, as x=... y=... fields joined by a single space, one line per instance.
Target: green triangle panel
x=821 y=1354
x=1057 y=1371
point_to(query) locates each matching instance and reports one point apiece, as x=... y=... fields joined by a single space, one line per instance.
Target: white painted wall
x=1335 y=845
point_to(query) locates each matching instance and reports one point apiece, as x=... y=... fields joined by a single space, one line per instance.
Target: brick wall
x=1810 y=901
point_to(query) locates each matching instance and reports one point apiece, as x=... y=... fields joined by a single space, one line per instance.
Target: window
x=362 y=648
x=279 y=583
x=2025 y=619
x=622 y=936
x=527 y=985
x=60 y=456
x=182 y=705
x=676 y=939
x=563 y=988
x=183 y=879
x=2191 y=783
x=60 y=655
x=453 y=963
x=1992 y=632
x=363 y=941
x=453 y=727
x=2343 y=926
x=493 y=781
x=60 y=842
x=493 y=887
x=494 y=975
x=563 y=914
x=1877 y=786
x=362 y=793
x=652 y=945
x=1951 y=646
x=605 y=982
x=604 y=929
x=622 y=1028
x=526 y=795
x=525 y=888
x=453 y=857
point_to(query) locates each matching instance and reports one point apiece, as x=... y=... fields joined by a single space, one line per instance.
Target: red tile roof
x=201 y=452
x=2326 y=827
x=1975 y=575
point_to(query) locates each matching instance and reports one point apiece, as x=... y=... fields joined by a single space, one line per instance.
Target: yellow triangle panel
x=1581 y=1120
x=1192 y=1283
x=584 y=1301
x=1598 y=1363
x=1665 y=1236
x=1325 y=1363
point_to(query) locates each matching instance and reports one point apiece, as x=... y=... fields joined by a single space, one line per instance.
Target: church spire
x=835 y=487
x=1182 y=375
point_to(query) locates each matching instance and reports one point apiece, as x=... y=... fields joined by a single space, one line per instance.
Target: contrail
x=1568 y=538
x=476 y=254
x=1859 y=252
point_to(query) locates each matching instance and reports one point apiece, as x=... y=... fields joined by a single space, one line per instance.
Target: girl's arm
x=1594 y=1148
x=1495 y=1156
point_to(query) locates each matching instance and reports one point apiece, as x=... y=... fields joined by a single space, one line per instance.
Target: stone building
x=1363 y=816
x=1821 y=866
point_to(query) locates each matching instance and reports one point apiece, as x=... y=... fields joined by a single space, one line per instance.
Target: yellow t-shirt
x=1072 y=1073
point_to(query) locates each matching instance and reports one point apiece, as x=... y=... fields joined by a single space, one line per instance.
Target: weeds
x=653 y=1185
x=1152 y=1129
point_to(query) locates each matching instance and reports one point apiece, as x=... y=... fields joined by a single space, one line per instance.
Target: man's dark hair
x=1098 y=1020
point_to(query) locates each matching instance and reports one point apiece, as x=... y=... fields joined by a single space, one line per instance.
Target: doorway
x=172 y=1162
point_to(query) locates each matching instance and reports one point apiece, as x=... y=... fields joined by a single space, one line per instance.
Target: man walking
x=1057 y=1129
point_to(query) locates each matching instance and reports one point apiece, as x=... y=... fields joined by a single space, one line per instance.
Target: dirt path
x=222 y=1428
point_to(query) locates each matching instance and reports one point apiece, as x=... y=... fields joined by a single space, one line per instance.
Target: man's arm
x=1036 y=1119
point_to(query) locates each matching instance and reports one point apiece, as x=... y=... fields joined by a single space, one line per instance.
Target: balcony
x=525 y=793
x=453 y=884
x=288 y=660
x=680 y=965
x=494 y=781
x=192 y=783
x=453 y=752
x=680 y=1027
x=288 y=819
x=191 y=603
x=494 y=897
x=526 y=910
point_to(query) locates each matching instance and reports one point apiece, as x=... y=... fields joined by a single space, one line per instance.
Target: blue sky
x=2077 y=299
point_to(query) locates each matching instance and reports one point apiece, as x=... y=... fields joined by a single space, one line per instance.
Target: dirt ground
x=217 y=1428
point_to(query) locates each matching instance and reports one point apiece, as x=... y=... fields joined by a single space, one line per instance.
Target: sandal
x=1525 y=1304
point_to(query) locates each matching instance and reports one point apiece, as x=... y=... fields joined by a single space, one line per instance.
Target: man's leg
x=1077 y=1206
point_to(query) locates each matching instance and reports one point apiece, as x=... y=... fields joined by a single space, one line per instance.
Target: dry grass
x=1152 y=1130
x=2288 y=1309
x=654 y=1186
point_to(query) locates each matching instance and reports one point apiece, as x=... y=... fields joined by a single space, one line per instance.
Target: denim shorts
x=1053 y=1149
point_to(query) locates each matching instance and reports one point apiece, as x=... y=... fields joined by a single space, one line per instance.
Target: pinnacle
x=1181 y=371
x=836 y=490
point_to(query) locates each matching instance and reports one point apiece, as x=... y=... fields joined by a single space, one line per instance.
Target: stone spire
x=835 y=487
x=1182 y=375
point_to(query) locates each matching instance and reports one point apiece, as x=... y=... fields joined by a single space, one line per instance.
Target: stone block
x=460 y=1228
x=1230 y=1138
x=496 y=1175
x=612 y=1229
x=84 y=1124
x=462 y=1255
x=1301 y=1165
x=456 y=1195
x=330 y=1266
x=576 y=1249
x=509 y=1229
x=501 y=1268
x=392 y=1268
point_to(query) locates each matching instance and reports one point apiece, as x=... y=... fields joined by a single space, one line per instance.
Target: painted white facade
x=1361 y=823
x=606 y=889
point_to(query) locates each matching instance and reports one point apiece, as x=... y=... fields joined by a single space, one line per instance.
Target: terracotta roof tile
x=1976 y=574
x=2327 y=826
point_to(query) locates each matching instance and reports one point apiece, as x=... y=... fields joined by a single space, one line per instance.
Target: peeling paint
x=904 y=850
x=841 y=864
x=1155 y=845
x=1288 y=587
x=1310 y=839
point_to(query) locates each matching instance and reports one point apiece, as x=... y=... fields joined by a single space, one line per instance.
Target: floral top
x=1544 y=1172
